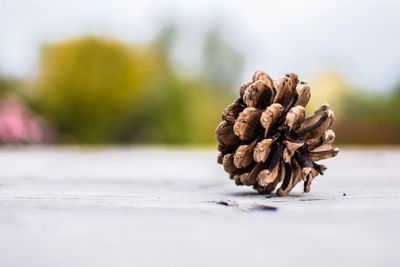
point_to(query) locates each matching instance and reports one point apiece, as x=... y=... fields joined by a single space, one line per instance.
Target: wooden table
x=176 y=207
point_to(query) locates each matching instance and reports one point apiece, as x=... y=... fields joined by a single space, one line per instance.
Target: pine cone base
x=265 y=139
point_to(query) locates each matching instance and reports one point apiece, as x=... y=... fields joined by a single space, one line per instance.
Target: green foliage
x=375 y=110
x=86 y=84
x=98 y=90
x=182 y=112
x=394 y=106
x=101 y=91
x=8 y=86
x=370 y=118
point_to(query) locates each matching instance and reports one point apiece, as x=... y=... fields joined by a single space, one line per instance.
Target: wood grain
x=159 y=207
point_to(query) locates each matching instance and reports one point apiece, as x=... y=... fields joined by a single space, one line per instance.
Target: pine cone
x=265 y=138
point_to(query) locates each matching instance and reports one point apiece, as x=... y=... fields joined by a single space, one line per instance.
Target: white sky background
x=358 y=39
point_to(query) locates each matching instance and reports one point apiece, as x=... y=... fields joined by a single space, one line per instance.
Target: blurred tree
x=223 y=65
x=370 y=118
x=9 y=85
x=394 y=106
x=98 y=90
x=182 y=110
x=87 y=86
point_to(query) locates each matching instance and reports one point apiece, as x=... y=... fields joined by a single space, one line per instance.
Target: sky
x=359 y=40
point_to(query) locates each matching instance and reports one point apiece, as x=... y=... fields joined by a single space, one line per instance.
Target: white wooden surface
x=159 y=207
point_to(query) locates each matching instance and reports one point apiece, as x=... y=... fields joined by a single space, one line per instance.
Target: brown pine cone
x=265 y=138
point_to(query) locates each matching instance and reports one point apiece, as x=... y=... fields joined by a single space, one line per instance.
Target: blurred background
x=161 y=72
